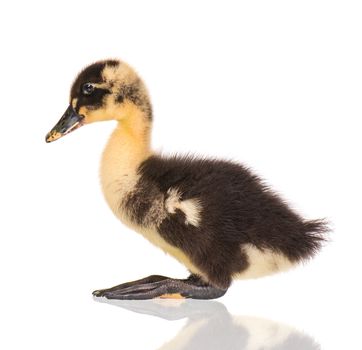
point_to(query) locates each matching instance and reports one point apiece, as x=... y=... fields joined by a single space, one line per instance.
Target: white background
x=274 y=84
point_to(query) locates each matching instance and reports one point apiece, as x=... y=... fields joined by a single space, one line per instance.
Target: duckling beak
x=70 y=121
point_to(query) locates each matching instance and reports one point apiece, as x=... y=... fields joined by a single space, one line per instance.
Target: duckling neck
x=127 y=148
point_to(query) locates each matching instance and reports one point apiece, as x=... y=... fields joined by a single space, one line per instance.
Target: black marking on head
x=93 y=101
x=135 y=93
x=112 y=63
x=120 y=98
x=132 y=93
x=91 y=74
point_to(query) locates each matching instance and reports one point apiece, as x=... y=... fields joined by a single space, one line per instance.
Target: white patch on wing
x=263 y=262
x=190 y=207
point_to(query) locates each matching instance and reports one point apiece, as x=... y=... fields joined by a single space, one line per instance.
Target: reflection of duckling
x=214 y=216
x=210 y=326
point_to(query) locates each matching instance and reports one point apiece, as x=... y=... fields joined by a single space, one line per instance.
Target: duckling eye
x=87 y=89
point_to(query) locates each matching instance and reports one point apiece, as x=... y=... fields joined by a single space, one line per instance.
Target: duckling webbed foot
x=147 y=280
x=162 y=287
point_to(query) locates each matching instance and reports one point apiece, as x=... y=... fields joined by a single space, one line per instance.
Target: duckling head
x=105 y=90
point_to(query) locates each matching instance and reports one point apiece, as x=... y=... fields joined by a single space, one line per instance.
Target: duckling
x=216 y=217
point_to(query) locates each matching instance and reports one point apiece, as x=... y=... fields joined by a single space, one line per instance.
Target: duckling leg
x=162 y=287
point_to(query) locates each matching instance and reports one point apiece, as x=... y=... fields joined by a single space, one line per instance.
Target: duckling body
x=214 y=216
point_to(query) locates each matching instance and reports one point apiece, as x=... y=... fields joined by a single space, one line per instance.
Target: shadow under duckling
x=214 y=216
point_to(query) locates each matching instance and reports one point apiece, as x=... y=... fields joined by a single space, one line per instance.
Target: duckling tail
x=316 y=235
